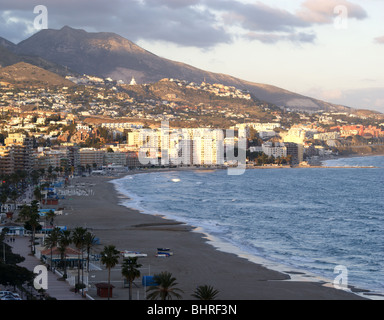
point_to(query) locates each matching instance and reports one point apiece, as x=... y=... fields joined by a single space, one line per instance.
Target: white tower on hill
x=133 y=81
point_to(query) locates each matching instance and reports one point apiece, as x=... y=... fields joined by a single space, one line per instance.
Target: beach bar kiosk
x=149 y=281
x=103 y=289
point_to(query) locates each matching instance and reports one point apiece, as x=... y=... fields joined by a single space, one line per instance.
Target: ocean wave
x=284 y=221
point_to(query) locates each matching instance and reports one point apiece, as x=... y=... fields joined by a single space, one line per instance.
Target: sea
x=322 y=224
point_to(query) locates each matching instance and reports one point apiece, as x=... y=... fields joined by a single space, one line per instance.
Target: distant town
x=98 y=123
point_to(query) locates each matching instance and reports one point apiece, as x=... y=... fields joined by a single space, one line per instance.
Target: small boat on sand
x=164 y=252
x=130 y=254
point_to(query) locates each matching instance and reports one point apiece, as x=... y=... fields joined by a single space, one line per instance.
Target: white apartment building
x=83 y=127
x=270 y=149
x=327 y=136
x=265 y=130
x=258 y=126
x=121 y=125
x=299 y=135
x=179 y=147
x=208 y=147
x=276 y=150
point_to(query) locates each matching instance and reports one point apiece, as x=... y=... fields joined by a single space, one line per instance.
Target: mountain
x=26 y=75
x=7 y=44
x=9 y=57
x=110 y=55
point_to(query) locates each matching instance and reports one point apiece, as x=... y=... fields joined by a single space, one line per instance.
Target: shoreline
x=196 y=260
x=295 y=273
x=363 y=155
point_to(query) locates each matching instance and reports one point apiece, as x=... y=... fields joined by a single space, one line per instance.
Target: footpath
x=56 y=289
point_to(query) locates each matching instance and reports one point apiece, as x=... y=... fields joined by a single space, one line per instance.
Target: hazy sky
x=328 y=49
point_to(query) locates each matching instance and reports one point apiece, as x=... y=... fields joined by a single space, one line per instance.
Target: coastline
x=339 y=157
x=196 y=260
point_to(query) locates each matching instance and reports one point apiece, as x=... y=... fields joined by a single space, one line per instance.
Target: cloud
x=195 y=23
x=379 y=40
x=325 y=11
x=271 y=38
x=269 y=24
x=176 y=21
x=175 y=4
x=182 y=25
x=13 y=27
x=258 y=16
x=262 y=22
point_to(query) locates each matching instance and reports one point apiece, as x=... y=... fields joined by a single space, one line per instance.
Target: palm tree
x=35 y=177
x=34 y=223
x=50 y=215
x=130 y=270
x=30 y=215
x=50 y=174
x=165 y=287
x=51 y=241
x=37 y=193
x=78 y=236
x=3 y=198
x=13 y=196
x=89 y=241
x=205 y=292
x=24 y=213
x=109 y=257
x=64 y=241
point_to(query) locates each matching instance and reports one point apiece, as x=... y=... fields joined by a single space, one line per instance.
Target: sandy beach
x=195 y=261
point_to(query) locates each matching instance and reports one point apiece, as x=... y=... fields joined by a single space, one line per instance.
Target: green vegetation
x=165 y=288
x=130 y=271
x=10 y=273
x=260 y=158
x=110 y=258
x=205 y=292
x=30 y=216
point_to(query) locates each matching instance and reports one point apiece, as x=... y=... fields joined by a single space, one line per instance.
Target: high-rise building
x=208 y=147
x=22 y=149
x=6 y=160
x=295 y=150
x=91 y=156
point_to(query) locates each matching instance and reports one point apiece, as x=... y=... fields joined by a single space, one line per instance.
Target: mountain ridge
x=23 y=74
x=107 y=54
x=6 y=43
x=8 y=57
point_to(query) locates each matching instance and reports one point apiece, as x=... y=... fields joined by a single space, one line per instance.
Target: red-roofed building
x=360 y=130
x=71 y=256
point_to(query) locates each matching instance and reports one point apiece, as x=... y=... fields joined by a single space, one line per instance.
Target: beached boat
x=167 y=253
x=162 y=255
x=164 y=251
x=130 y=254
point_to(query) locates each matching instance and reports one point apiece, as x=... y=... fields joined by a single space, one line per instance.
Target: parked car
x=16 y=295
x=8 y=295
x=3 y=293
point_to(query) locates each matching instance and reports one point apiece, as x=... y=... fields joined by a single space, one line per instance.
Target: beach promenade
x=56 y=289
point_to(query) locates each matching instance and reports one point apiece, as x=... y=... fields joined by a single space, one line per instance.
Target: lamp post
x=4 y=253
